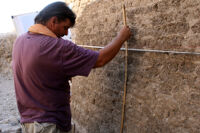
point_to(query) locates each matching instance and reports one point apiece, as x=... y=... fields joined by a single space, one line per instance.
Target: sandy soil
x=9 y=117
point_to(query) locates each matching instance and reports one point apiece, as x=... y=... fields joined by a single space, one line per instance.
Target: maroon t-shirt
x=42 y=66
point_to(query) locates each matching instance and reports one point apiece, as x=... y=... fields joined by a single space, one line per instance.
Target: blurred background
x=10 y=8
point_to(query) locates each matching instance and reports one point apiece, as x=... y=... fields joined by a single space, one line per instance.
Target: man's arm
x=109 y=52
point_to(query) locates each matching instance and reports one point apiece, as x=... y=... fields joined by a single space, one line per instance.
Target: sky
x=10 y=8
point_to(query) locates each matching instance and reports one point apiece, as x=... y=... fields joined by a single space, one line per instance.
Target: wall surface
x=163 y=94
x=6 y=43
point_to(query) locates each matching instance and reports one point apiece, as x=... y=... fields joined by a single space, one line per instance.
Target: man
x=43 y=63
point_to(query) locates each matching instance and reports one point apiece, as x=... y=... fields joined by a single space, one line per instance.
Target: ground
x=9 y=117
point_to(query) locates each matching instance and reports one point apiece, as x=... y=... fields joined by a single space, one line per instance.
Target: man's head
x=57 y=17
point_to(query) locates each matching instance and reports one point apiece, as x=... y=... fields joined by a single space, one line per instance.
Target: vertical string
x=125 y=73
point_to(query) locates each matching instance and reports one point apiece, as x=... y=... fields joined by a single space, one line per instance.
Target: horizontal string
x=146 y=50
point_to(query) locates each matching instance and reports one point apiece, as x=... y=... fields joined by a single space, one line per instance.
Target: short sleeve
x=77 y=60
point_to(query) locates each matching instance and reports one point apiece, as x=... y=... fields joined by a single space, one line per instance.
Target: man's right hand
x=125 y=33
x=109 y=51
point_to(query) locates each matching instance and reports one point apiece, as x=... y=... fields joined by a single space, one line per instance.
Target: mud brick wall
x=79 y=5
x=163 y=92
x=6 y=43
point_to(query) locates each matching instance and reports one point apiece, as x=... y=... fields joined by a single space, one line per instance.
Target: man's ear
x=51 y=23
x=54 y=20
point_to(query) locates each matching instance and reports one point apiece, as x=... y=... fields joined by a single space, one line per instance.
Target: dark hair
x=58 y=9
